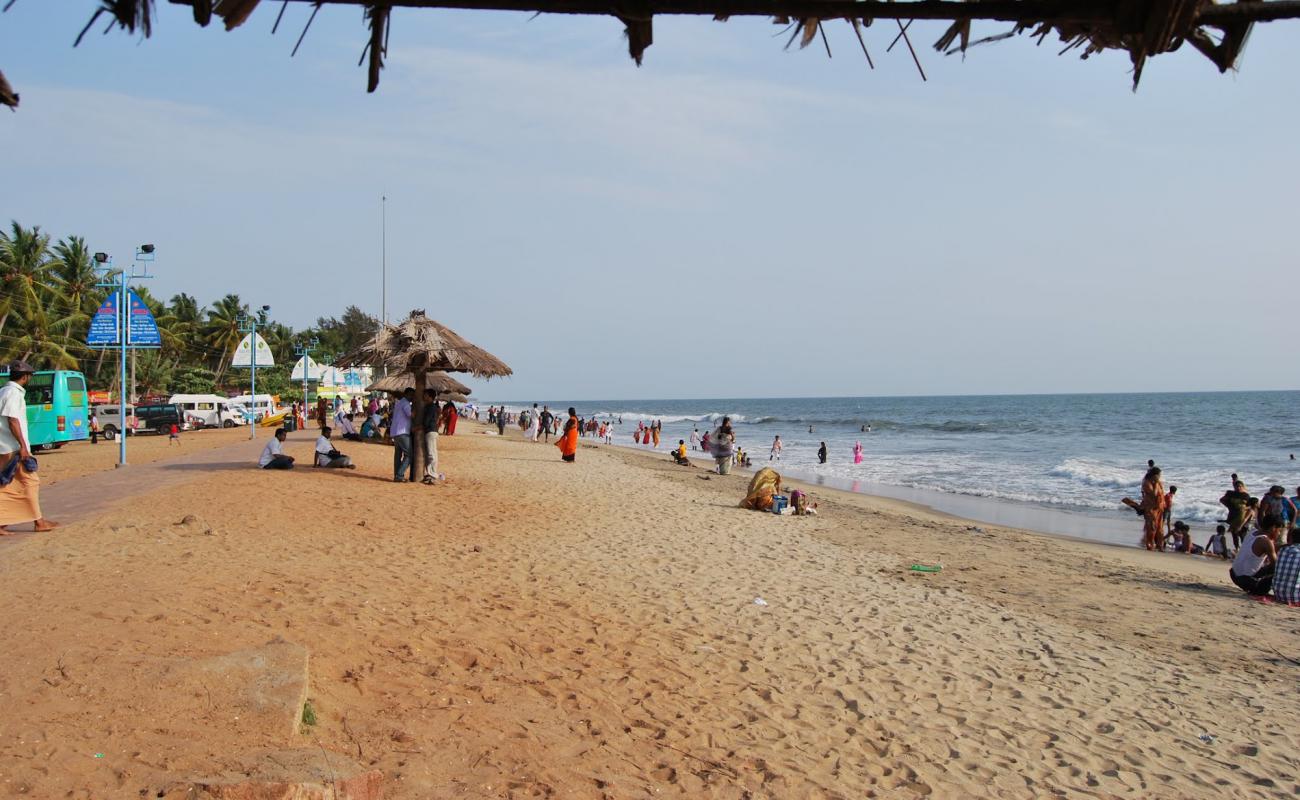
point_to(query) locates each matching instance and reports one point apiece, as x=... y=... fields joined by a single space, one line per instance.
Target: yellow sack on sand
x=765 y=485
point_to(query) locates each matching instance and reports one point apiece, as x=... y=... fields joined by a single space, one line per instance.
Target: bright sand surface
x=538 y=629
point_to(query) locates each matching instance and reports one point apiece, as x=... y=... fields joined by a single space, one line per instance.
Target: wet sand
x=537 y=629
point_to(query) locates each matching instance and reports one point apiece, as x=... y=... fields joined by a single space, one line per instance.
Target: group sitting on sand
x=1260 y=535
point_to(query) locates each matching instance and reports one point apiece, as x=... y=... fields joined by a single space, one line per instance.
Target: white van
x=261 y=407
x=210 y=410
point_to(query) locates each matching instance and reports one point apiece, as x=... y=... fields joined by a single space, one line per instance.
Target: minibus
x=57 y=408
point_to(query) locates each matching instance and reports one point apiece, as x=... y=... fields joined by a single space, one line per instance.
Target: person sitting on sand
x=763 y=488
x=1180 y=539
x=1252 y=569
x=343 y=422
x=327 y=456
x=679 y=453
x=1286 y=576
x=273 y=456
x=1218 y=544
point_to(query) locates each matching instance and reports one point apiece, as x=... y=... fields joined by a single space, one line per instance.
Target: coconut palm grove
x=51 y=291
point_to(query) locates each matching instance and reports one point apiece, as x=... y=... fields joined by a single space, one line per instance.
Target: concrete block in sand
x=308 y=773
x=260 y=691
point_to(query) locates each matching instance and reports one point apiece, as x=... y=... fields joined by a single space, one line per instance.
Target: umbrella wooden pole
x=417 y=425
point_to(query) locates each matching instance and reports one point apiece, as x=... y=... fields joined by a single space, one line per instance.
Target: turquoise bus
x=57 y=408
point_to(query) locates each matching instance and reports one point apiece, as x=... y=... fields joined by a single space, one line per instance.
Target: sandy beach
x=539 y=629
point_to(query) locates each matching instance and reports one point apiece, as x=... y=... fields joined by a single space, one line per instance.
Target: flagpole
x=383 y=257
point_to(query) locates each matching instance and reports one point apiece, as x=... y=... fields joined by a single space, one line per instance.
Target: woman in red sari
x=568 y=441
x=449 y=415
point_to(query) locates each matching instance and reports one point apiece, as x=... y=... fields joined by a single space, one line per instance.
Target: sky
x=729 y=220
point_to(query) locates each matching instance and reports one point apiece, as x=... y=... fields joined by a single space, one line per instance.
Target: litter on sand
x=758 y=601
x=1208 y=738
x=927 y=567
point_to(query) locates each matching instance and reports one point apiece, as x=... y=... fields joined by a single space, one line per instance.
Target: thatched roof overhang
x=440 y=382
x=1143 y=28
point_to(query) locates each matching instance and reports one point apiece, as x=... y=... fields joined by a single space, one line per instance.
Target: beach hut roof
x=1143 y=28
x=418 y=343
x=440 y=382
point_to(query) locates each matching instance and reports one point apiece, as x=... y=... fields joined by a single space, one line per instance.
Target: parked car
x=210 y=410
x=159 y=418
x=144 y=418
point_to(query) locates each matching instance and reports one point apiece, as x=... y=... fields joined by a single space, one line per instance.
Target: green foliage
x=193 y=380
x=49 y=292
x=308 y=714
x=275 y=380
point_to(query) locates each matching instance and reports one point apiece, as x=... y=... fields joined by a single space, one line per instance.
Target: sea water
x=1021 y=455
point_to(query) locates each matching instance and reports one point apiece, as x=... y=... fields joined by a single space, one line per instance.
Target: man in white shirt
x=20 y=497
x=327 y=456
x=273 y=456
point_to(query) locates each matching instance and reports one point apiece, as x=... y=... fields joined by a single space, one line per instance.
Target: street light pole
x=249 y=325
x=304 y=351
x=144 y=254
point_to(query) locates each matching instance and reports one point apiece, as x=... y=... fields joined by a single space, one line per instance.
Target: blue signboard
x=142 y=330
x=103 y=326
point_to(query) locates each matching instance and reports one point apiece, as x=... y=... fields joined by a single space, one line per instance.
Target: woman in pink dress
x=857 y=452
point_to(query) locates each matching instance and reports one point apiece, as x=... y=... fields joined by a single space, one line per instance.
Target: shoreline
x=1061 y=523
x=1204 y=568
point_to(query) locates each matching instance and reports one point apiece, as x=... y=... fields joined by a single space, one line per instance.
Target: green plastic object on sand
x=927 y=568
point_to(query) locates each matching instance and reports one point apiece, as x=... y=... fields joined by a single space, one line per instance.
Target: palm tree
x=181 y=323
x=49 y=340
x=222 y=331
x=24 y=263
x=75 y=272
x=77 y=282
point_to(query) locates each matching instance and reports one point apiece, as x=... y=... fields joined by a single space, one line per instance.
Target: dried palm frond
x=438 y=381
x=420 y=343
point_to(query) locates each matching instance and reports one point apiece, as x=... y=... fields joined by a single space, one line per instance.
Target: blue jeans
x=401 y=456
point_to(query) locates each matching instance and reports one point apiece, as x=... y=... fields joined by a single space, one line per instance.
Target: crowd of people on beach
x=1260 y=536
x=383 y=420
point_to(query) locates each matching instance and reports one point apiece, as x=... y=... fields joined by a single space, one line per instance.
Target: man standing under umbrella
x=400 y=431
x=429 y=425
x=20 y=495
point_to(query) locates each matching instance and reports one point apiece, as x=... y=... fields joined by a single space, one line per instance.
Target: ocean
x=1057 y=463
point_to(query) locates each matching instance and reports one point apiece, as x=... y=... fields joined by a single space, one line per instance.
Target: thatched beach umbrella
x=420 y=345
x=439 y=381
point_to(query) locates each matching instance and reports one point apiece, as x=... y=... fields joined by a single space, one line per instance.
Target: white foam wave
x=1095 y=473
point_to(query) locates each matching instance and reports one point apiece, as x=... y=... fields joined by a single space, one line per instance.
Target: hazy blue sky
x=728 y=220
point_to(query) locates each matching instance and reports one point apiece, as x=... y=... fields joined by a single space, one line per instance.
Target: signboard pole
x=118 y=324
x=125 y=319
